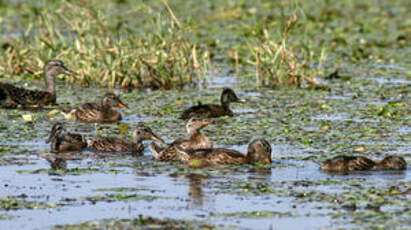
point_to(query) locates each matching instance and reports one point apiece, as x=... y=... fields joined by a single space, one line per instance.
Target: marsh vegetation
x=320 y=78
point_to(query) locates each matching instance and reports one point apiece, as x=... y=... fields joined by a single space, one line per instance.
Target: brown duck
x=115 y=144
x=62 y=141
x=196 y=140
x=15 y=97
x=343 y=163
x=259 y=151
x=210 y=110
x=99 y=112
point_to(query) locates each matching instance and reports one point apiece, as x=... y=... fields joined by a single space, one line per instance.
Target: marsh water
x=364 y=115
x=363 y=110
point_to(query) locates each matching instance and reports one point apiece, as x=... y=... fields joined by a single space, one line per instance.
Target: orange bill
x=267 y=160
x=204 y=123
x=123 y=106
x=155 y=138
x=70 y=72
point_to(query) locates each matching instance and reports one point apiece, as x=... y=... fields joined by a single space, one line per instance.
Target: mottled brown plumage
x=62 y=141
x=196 y=140
x=390 y=163
x=115 y=144
x=210 y=110
x=99 y=112
x=343 y=163
x=259 y=151
x=13 y=97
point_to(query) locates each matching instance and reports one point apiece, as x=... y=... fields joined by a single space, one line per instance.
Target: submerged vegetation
x=160 y=44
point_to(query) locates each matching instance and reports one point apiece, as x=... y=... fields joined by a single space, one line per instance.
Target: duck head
x=228 y=96
x=52 y=68
x=110 y=99
x=259 y=151
x=57 y=130
x=143 y=132
x=195 y=124
x=391 y=163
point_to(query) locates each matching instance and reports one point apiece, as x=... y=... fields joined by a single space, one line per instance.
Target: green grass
x=167 y=45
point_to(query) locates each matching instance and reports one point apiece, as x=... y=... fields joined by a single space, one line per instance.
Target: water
x=291 y=192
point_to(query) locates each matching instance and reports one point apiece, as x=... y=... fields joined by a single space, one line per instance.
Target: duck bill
x=70 y=72
x=123 y=106
x=157 y=139
x=205 y=123
x=240 y=101
x=267 y=160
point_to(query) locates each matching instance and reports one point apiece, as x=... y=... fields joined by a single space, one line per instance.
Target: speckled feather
x=94 y=112
x=112 y=144
x=68 y=142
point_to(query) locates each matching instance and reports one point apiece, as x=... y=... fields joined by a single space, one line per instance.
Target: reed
x=101 y=53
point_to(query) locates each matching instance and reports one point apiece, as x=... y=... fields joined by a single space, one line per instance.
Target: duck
x=258 y=151
x=62 y=141
x=211 y=110
x=102 y=112
x=196 y=140
x=13 y=97
x=344 y=163
x=115 y=144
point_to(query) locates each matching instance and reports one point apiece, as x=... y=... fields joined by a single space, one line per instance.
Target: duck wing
x=169 y=153
x=360 y=163
x=113 y=144
x=78 y=139
x=70 y=142
x=12 y=96
x=202 y=111
x=88 y=112
x=217 y=156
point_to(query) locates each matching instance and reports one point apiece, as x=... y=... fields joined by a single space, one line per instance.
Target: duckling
x=62 y=141
x=210 y=110
x=196 y=140
x=259 y=151
x=13 y=97
x=115 y=144
x=343 y=163
x=99 y=112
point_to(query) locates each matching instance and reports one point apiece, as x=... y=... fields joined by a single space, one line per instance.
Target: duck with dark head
x=196 y=140
x=211 y=110
x=62 y=141
x=102 y=112
x=259 y=151
x=17 y=97
x=115 y=144
x=344 y=163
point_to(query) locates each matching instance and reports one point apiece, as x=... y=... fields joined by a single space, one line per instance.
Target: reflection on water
x=195 y=190
x=57 y=163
